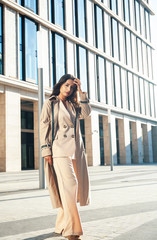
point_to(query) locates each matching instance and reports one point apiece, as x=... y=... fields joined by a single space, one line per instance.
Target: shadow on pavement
x=45 y=236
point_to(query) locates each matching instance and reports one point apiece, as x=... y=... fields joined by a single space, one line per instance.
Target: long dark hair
x=56 y=89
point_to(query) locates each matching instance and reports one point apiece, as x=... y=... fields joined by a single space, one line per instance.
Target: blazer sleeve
x=45 y=129
x=85 y=108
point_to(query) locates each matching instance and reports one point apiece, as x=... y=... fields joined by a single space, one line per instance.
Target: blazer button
x=73 y=136
x=64 y=135
x=64 y=126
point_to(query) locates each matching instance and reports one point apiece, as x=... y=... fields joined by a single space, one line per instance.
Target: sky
x=153 y=19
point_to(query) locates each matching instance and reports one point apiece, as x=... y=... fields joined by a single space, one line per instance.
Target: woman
x=63 y=152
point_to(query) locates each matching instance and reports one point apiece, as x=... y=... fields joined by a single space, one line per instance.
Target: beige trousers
x=68 y=220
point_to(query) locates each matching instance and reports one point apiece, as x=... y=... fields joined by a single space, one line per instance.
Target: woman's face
x=67 y=88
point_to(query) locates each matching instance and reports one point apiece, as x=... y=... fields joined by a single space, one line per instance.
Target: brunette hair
x=56 y=89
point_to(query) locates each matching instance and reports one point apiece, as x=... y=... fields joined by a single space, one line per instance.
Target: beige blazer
x=49 y=119
x=64 y=141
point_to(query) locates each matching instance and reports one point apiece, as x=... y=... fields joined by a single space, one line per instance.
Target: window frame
x=22 y=3
x=24 y=67
x=116 y=6
x=78 y=65
x=52 y=5
x=99 y=82
x=77 y=21
x=140 y=28
x=53 y=57
x=118 y=47
x=147 y=27
x=96 y=27
x=124 y=11
x=126 y=47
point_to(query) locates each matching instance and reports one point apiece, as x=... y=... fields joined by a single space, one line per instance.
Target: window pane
x=30 y=4
x=107 y=34
x=31 y=49
x=128 y=48
x=82 y=67
x=99 y=28
x=137 y=16
x=147 y=97
x=110 y=89
x=147 y=25
x=106 y=3
x=142 y=96
x=114 y=6
x=145 y=62
x=136 y=93
x=1 y=42
x=124 y=89
x=139 y=55
x=152 y=102
x=115 y=39
x=117 y=85
x=101 y=138
x=101 y=80
x=21 y=48
x=126 y=11
x=131 y=91
x=150 y=64
x=80 y=19
x=59 y=12
x=60 y=56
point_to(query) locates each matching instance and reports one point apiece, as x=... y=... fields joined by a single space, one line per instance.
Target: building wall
x=124 y=85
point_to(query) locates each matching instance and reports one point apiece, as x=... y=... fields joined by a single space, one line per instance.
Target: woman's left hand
x=78 y=83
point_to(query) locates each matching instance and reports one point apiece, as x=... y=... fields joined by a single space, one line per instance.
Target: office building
x=107 y=44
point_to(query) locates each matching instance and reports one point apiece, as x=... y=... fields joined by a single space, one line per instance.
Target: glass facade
x=106 y=44
x=128 y=47
x=1 y=42
x=80 y=19
x=31 y=49
x=137 y=16
x=126 y=7
x=99 y=28
x=101 y=80
x=21 y=42
x=30 y=4
x=27 y=121
x=117 y=142
x=147 y=26
x=28 y=49
x=139 y=55
x=101 y=139
x=117 y=86
x=58 y=57
x=131 y=95
x=115 y=39
x=57 y=12
x=150 y=63
x=114 y=6
x=82 y=68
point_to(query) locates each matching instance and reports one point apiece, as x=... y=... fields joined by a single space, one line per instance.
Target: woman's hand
x=78 y=83
x=49 y=159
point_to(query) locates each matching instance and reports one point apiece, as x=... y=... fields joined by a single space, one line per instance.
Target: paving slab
x=123 y=206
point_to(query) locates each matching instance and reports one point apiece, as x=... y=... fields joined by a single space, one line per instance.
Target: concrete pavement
x=124 y=205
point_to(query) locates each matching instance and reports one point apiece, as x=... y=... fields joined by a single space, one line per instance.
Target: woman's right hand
x=49 y=159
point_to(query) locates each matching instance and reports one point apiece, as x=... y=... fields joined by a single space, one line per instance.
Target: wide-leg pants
x=68 y=220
